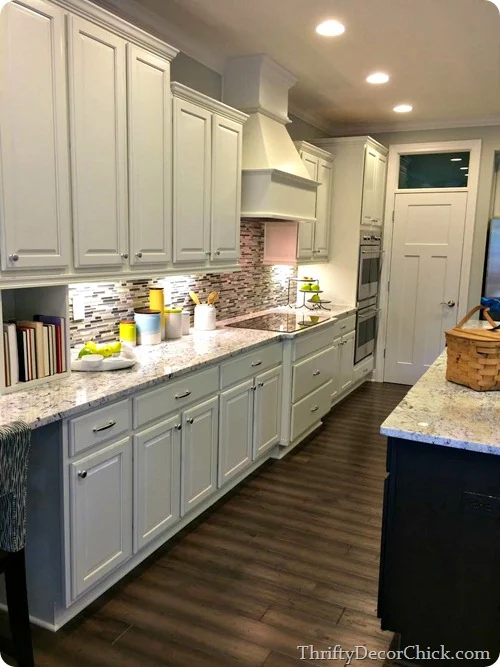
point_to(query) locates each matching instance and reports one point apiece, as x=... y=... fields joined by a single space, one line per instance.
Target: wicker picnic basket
x=474 y=355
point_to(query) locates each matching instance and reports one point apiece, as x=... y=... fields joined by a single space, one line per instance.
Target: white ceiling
x=443 y=55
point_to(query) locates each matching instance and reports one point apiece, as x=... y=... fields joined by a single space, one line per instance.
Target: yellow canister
x=157 y=302
x=128 y=332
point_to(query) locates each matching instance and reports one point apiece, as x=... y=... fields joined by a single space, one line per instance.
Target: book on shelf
x=34 y=349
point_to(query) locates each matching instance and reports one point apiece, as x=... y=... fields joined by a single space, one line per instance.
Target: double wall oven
x=370 y=254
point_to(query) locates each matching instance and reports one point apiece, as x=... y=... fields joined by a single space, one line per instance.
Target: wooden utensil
x=212 y=298
x=194 y=296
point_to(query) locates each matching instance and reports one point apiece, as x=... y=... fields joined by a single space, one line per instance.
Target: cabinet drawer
x=250 y=364
x=174 y=395
x=345 y=325
x=310 y=409
x=363 y=370
x=310 y=343
x=99 y=425
x=311 y=373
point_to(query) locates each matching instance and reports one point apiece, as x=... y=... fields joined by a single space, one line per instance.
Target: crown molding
x=314 y=150
x=312 y=118
x=381 y=128
x=164 y=29
x=179 y=90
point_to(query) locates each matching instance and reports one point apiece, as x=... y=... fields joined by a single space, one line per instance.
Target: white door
x=379 y=193
x=98 y=113
x=369 y=185
x=157 y=474
x=199 y=453
x=235 y=430
x=226 y=190
x=150 y=157
x=267 y=411
x=323 y=209
x=337 y=344
x=346 y=363
x=101 y=514
x=425 y=276
x=192 y=178
x=34 y=188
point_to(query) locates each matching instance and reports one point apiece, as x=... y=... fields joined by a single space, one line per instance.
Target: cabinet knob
x=124 y=255
x=316 y=373
x=254 y=388
x=315 y=409
x=190 y=420
x=450 y=303
x=207 y=253
x=138 y=254
x=178 y=427
x=217 y=252
x=261 y=384
x=82 y=474
x=13 y=258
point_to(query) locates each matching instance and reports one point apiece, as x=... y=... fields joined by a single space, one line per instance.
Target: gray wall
x=490 y=137
x=192 y=73
x=300 y=130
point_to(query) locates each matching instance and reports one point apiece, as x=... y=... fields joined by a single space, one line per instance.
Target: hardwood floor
x=289 y=558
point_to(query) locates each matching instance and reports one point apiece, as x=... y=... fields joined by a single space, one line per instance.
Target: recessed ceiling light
x=330 y=28
x=496 y=3
x=456 y=159
x=403 y=108
x=378 y=77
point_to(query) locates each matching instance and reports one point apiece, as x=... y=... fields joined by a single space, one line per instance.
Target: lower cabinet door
x=347 y=361
x=101 y=514
x=157 y=475
x=337 y=344
x=267 y=412
x=235 y=430
x=199 y=454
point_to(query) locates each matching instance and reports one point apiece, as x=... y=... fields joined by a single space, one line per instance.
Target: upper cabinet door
x=380 y=183
x=369 y=185
x=192 y=182
x=311 y=162
x=34 y=184
x=150 y=157
x=226 y=192
x=97 y=79
x=323 y=209
x=306 y=240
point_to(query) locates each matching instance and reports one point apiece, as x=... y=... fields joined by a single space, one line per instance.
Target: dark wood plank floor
x=290 y=558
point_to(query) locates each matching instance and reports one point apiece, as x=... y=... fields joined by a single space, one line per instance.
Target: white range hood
x=275 y=181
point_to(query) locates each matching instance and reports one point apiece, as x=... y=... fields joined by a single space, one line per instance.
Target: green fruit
x=315 y=298
x=83 y=352
x=315 y=288
x=306 y=288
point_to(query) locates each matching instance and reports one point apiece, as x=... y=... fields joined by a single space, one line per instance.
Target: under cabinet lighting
x=330 y=28
x=403 y=108
x=456 y=159
x=378 y=77
x=464 y=168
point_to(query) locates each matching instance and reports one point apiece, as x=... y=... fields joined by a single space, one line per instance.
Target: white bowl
x=92 y=361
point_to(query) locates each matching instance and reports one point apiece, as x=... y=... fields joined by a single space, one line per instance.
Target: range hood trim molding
x=280 y=176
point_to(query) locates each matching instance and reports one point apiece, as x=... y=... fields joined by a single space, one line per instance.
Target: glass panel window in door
x=434 y=170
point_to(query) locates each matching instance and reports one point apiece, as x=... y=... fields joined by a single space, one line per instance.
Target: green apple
x=306 y=288
x=315 y=298
x=315 y=288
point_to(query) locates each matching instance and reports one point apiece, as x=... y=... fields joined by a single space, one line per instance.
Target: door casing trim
x=395 y=151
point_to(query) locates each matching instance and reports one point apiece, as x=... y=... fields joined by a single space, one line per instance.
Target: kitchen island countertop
x=69 y=396
x=439 y=412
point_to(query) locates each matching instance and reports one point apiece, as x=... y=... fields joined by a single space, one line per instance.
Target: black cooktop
x=286 y=322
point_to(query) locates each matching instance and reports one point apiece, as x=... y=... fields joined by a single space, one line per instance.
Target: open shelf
x=23 y=304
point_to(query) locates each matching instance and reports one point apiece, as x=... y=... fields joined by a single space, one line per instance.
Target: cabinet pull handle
x=14 y=257
x=186 y=393
x=344 y=327
x=256 y=363
x=82 y=474
x=315 y=409
x=178 y=427
x=104 y=427
x=190 y=420
x=261 y=384
x=316 y=373
x=138 y=254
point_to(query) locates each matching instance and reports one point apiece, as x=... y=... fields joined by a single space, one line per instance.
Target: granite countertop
x=442 y=413
x=69 y=396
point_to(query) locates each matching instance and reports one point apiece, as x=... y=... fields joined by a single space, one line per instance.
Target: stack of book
x=34 y=349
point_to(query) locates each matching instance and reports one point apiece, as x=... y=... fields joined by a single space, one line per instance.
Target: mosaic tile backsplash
x=256 y=287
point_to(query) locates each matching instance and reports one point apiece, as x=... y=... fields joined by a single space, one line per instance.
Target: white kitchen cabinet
x=207 y=158
x=374 y=180
x=149 y=157
x=314 y=237
x=226 y=189
x=346 y=363
x=192 y=195
x=235 y=430
x=98 y=113
x=267 y=412
x=157 y=474
x=100 y=488
x=34 y=175
x=199 y=453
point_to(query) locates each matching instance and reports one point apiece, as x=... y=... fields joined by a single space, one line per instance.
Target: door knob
x=450 y=303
